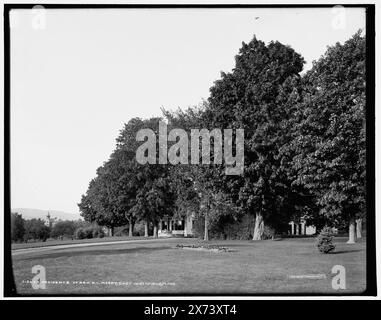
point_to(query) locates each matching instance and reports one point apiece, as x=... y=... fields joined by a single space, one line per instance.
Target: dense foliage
x=17 y=227
x=329 y=135
x=324 y=241
x=304 y=150
x=25 y=230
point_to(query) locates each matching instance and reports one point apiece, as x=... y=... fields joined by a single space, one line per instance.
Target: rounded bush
x=80 y=234
x=97 y=232
x=88 y=232
x=324 y=241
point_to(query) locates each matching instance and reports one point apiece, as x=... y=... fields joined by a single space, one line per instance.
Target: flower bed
x=204 y=247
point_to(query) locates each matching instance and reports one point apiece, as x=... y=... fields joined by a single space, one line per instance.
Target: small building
x=170 y=226
x=300 y=228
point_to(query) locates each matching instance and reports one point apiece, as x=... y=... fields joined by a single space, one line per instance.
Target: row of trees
x=305 y=151
x=125 y=191
x=24 y=230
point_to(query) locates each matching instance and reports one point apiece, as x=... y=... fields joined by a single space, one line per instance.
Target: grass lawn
x=55 y=242
x=161 y=268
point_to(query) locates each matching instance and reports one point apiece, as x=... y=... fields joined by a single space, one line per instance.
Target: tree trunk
x=130 y=229
x=206 y=231
x=146 y=229
x=259 y=227
x=155 y=235
x=359 y=228
x=352 y=228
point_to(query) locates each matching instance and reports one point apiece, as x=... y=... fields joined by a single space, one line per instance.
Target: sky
x=78 y=75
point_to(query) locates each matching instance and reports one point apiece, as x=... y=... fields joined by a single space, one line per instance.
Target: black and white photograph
x=189 y=150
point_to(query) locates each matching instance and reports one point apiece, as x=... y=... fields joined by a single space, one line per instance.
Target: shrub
x=81 y=223
x=36 y=229
x=138 y=229
x=17 y=227
x=63 y=229
x=80 y=234
x=97 y=232
x=121 y=231
x=324 y=241
x=88 y=232
x=241 y=229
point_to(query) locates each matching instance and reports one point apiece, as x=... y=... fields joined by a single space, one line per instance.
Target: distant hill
x=28 y=213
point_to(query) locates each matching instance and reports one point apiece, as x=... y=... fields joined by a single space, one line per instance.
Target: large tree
x=154 y=195
x=199 y=187
x=36 y=229
x=63 y=228
x=254 y=97
x=17 y=227
x=125 y=190
x=108 y=199
x=330 y=136
x=97 y=204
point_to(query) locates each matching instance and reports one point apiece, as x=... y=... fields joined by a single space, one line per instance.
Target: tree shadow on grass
x=346 y=251
x=77 y=253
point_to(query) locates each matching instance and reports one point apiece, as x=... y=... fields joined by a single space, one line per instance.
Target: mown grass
x=264 y=267
x=25 y=245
